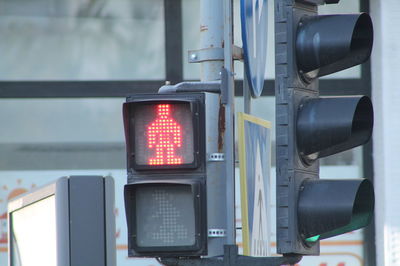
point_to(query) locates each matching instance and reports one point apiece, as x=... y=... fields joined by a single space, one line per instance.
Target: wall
x=385 y=71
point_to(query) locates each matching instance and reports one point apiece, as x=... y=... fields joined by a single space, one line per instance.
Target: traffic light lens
x=165 y=216
x=163 y=134
x=313 y=238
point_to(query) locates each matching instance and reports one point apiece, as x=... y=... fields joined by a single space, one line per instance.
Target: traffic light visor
x=330 y=43
x=332 y=207
x=329 y=125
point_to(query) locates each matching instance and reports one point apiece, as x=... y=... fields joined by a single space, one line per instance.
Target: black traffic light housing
x=138 y=110
x=309 y=127
x=165 y=200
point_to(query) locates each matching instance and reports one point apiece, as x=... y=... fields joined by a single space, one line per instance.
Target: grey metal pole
x=246 y=94
x=211 y=37
x=229 y=118
x=216 y=24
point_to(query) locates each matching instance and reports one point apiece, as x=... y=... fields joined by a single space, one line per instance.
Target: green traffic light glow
x=313 y=238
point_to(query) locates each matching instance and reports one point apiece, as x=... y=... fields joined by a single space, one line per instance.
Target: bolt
x=193 y=56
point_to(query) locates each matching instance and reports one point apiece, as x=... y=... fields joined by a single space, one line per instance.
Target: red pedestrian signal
x=164 y=135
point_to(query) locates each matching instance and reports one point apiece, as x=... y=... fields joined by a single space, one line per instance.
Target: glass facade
x=82 y=40
x=49 y=134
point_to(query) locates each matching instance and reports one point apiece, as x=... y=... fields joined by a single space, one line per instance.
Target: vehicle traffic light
x=309 y=127
x=174 y=175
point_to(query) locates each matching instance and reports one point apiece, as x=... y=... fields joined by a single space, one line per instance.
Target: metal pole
x=229 y=118
x=211 y=37
x=246 y=95
x=216 y=31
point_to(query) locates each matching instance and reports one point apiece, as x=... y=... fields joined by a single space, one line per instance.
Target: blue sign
x=254 y=19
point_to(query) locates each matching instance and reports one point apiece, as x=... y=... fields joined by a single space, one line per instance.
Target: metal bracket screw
x=216 y=157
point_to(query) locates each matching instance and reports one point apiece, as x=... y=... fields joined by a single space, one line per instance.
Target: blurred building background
x=67 y=65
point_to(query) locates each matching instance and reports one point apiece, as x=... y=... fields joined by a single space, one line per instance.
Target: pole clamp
x=213 y=54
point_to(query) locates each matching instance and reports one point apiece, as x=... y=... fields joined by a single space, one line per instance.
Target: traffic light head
x=165 y=198
x=310 y=127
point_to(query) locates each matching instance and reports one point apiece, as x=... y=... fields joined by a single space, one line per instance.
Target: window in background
x=50 y=134
x=82 y=40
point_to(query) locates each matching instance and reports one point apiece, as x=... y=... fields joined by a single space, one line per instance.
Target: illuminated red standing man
x=164 y=135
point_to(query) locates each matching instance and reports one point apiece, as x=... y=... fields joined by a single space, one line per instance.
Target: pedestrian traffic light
x=171 y=181
x=309 y=127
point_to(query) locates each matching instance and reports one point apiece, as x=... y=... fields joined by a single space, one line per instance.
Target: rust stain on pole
x=221 y=127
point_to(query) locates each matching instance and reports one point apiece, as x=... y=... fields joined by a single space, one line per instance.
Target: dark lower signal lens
x=165 y=216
